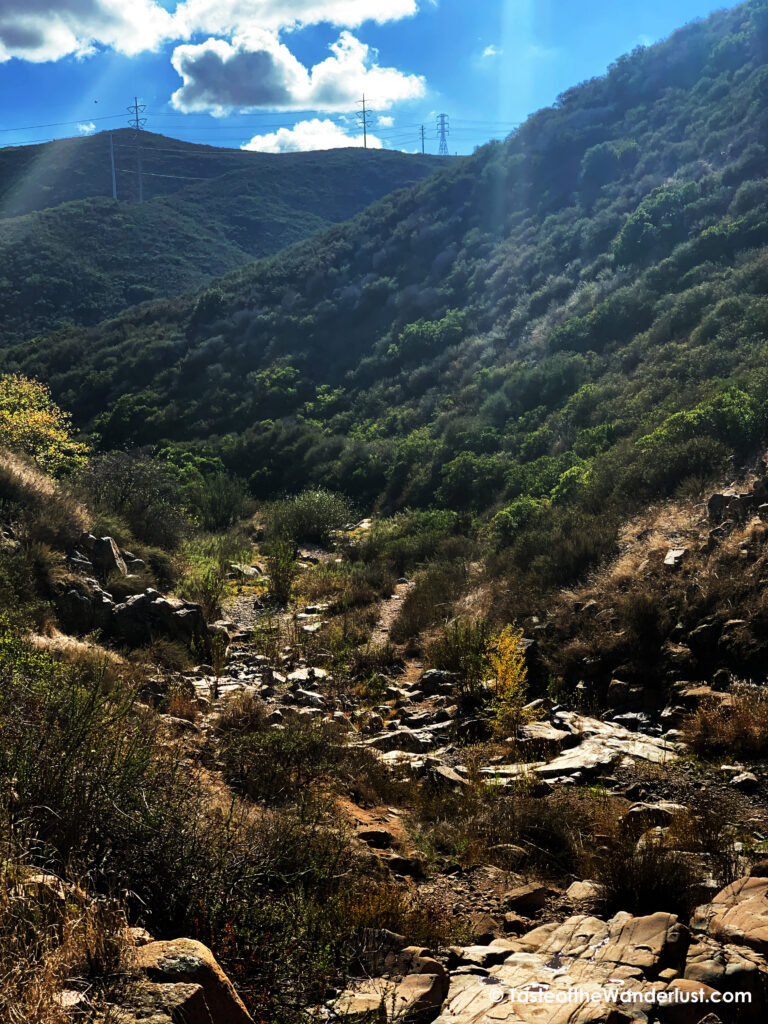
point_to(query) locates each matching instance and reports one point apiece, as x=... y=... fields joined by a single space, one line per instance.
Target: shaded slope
x=88 y=258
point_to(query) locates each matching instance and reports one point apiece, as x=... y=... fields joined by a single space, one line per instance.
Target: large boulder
x=106 y=558
x=187 y=965
x=145 y=616
x=738 y=915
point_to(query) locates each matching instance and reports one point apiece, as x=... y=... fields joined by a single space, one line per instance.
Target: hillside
x=567 y=322
x=70 y=253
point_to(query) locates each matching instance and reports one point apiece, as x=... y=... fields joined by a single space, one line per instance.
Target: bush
x=646 y=878
x=312 y=516
x=738 y=730
x=462 y=647
x=281 y=569
x=430 y=600
x=141 y=491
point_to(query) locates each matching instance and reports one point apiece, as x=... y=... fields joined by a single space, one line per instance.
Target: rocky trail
x=521 y=936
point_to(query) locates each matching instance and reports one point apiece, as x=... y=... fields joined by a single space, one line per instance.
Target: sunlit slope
x=515 y=328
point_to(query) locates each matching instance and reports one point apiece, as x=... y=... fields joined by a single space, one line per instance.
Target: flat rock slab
x=738 y=915
x=625 y=953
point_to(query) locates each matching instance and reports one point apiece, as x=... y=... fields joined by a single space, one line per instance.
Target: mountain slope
x=72 y=253
x=573 y=319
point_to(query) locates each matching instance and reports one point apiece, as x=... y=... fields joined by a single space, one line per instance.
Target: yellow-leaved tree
x=32 y=424
x=506 y=657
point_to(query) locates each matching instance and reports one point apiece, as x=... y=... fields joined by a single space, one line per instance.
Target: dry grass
x=736 y=729
x=56 y=937
x=50 y=514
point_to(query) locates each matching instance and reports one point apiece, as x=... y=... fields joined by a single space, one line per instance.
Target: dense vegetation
x=69 y=253
x=562 y=323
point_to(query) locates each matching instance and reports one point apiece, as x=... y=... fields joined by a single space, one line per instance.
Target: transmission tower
x=363 y=116
x=423 y=145
x=443 y=131
x=137 y=122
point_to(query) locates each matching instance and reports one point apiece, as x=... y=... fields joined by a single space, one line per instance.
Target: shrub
x=646 y=878
x=281 y=569
x=738 y=729
x=462 y=647
x=430 y=600
x=506 y=658
x=141 y=491
x=312 y=516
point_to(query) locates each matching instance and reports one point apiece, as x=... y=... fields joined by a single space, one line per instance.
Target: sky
x=289 y=75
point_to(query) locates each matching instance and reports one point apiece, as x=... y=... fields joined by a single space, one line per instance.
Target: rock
x=746 y=782
x=540 y=739
x=674 y=557
x=681 y=1009
x=642 y=816
x=107 y=559
x=163 y=1003
x=580 y=893
x=378 y=838
x=435 y=681
x=443 y=776
x=145 y=616
x=494 y=953
x=514 y=924
x=188 y=961
x=405 y=740
x=731 y=969
x=583 y=953
x=527 y=899
x=416 y=996
x=738 y=915
x=485 y=927
x=618 y=693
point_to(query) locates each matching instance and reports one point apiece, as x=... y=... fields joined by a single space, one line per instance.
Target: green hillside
x=68 y=252
x=562 y=324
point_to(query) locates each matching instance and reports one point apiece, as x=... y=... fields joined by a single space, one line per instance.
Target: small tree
x=32 y=424
x=510 y=674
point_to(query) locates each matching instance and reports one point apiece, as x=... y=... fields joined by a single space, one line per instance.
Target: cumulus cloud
x=385 y=121
x=43 y=30
x=308 y=135
x=491 y=51
x=257 y=70
x=226 y=17
x=86 y=128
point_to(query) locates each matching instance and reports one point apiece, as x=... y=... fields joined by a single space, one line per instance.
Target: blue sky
x=287 y=74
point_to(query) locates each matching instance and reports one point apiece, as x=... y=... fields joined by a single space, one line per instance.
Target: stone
x=747 y=782
x=166 y=1003
x=107 y=559
x=738 y=914
x=674 y=557
x=731 y=969
x=541 y=739
x=406 y=740
x=584 y=892
x=642 y=816
x=189 y=961
x=416 y=996
x=618 y=693
x=378 y=838
x=527 y=899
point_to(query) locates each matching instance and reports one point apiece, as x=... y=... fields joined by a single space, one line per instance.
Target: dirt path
x=388 y=612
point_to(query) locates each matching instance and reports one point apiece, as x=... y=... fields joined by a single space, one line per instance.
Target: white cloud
x=492 y=51
x=43 y=30
x=227 y=17
x=385 y=121
x=87 y=128
x=257 y=70
x=308 y=135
